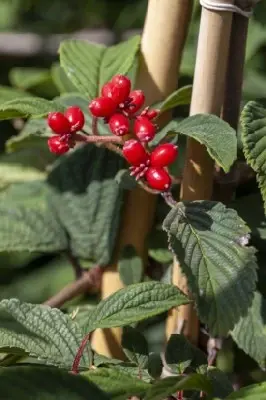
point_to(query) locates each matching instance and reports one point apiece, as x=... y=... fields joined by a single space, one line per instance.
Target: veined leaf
x=220 y=382
x=135 y=346
x=45 y=383
x=252 y=392
x=209 y=241
x=250 y=332
x=117 y=384
x=61 y=81
x=89 y=66
x=88 y=201
x=214 y=133
x=35 y=107
x=8 y=93
x=42 y=332
x=167 y=386
x=135 y=303
x=253 y=120
x=179 y=97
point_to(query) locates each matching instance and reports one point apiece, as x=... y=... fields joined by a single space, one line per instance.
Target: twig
x=76 y=362
x=97 y=139
x=75 y=264
x=89 y=280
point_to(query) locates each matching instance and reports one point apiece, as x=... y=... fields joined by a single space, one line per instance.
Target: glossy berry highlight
x=59 y=123
x=57 y=146
x=119 y=124
x=137 y=100
x=134 y=153
x=163 y=155
x=102 y=107
x=76 y=118
x=144 y=129
x=158 y=179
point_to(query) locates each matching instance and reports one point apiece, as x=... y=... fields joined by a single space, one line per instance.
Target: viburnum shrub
x=65 y=187
x=119 y=107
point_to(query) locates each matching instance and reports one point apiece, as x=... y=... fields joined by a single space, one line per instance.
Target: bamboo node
x=242 y=7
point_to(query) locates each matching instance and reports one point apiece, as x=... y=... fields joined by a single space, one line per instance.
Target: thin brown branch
x=90 y=280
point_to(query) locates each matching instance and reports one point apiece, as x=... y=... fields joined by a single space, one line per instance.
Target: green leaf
x=125 y=180
x=252 y=392
x=118 y=385
x=88 y=201
x=89 y=66
x=135 y=303
x=101 y=360
x=220 y=382
x=253 y=120
x=61 y=81
x=158 y=247
x=214 y=133
x=35 y=107
x=133 y=371
x=250 y=333
x=26 y=78
x=45 y=383
x=180 y=97
x=135 y=347
x=130 y=266
x=155 y=365
x=167 y=386
x=209 y=241
x=8 y=93
x=30 y=228
x=180 y=354
x=42 y=332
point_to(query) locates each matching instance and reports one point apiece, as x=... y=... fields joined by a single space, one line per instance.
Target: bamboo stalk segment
x=162 y=45
x=207 y=97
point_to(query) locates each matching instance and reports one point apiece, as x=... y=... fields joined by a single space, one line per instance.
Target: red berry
x=134 y=153
x=123 y=83
x=144 y=129
x=57 y=146
x=158 y=179
x=152 y=114
x=75 y=117
x=102 y=107
x=58 y=123
x=163 y=155
x=118 y=93
x=137 y=100
x=119 y=124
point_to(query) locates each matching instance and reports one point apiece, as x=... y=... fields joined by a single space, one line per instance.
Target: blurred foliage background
x=34 y=278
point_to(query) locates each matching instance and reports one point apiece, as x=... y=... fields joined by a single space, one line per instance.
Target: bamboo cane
x=162 y=44
x=226 y=183
x=207 y=97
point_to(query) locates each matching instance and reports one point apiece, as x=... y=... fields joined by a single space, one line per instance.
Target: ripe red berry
x=119 y=124
x=144 y=129
x=57 y=146
x=123 y=83
x=134 y=153
x=163 y=155
x=75 y=117
x=117 y=90
x=58 y=123
x=102 y=107
x=137 y=100
x=158 y=179
x=152 y=114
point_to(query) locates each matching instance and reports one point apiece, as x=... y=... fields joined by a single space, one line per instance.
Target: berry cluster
x=120 y=108
x=64 y=126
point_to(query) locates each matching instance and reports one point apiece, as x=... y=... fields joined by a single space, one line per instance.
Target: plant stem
x=89 y=280
x=97 y=139
x=76 y=362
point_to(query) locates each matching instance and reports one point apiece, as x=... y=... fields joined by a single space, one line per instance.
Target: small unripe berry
x=58 y=123
x=119 y=124
x=158 y=179
x=137 y=100
x=134 y=153
x=163 y=155
x=75 y=117
x=102 y=107
x=57 y=146
x=144 y=129
x=152 y=114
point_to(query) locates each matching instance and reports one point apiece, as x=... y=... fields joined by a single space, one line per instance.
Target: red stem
x=76 y=362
